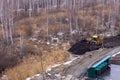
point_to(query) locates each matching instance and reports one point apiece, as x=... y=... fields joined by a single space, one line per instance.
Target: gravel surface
x=77 y=69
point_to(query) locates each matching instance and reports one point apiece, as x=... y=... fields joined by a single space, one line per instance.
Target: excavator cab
x=95 y=40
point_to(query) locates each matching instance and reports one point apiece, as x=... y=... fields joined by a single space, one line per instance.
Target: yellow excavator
x=87 y=44
x=97 y=40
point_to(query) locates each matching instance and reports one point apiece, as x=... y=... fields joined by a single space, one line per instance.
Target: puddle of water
x=113 y=73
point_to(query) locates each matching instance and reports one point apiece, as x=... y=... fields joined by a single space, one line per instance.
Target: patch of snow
x=115 y=54
x=55 y=40
x=50 y=67
x=60 y=33
x=108 y=35
x=69 y=62
x=64 y=48
x=33 y=39
x=67 y=19
x=49 y=74
x=48 y=43
x=37 y=75
x=66 y=63
x=4 y=77
x=56 y=65
x=39 y=41
x=28 y=78
x=74 y=31
x=58 y=75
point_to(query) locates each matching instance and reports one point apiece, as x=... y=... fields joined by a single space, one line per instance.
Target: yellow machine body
x=95 y=40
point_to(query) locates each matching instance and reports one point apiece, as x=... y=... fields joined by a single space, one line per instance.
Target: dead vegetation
x=32 y=64
x=33 y=32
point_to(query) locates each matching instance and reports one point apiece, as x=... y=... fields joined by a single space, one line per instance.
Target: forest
x=37 y=29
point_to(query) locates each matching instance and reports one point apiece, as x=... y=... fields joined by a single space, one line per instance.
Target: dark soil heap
x=82 y=46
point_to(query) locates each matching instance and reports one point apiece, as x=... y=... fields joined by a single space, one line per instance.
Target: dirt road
x=78 y=70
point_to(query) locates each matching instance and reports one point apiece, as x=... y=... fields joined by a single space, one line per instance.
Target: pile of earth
x=82 y=46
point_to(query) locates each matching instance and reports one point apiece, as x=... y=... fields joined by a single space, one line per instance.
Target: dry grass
x=39 y=22
x=27 y=26
x=31 y=65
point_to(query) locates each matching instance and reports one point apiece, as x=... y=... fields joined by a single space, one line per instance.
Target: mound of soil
x=111 y=42
x=82 y=46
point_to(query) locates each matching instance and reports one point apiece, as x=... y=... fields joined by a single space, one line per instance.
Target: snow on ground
x=115 y=54
x=28 y=78
x=56 y=65
x=65 y=63
x=50 y=67
x=69 y=62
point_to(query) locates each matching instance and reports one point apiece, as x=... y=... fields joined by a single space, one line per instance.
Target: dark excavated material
x=82 y=46
x=111 y=41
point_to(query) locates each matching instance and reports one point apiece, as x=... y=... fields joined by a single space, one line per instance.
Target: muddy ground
x=82 y=46
x=116 y=59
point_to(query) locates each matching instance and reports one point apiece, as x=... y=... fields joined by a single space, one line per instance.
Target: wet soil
x=116 y=59
x=82 y=46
